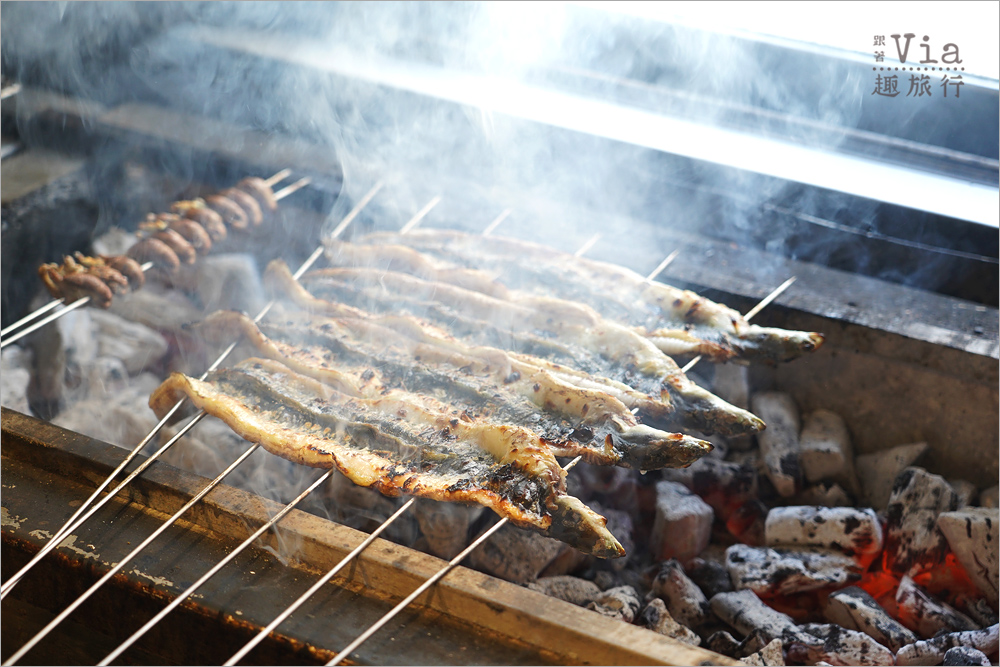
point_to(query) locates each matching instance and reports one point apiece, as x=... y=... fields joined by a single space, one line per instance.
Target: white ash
x=854 y=609
x=973 y=534
x=571 y=589
x=771 y=572
x=445 y=525
x=779 y=442
x=826 y=450
x=979 y=610
x=225 y=281
x=683 y=524
x=965 y=490
x=963 y=655
x=855 y=532
x=878 y=471
x=684 y=600
x=621 y=603
x=721 y=484
x=516 y=555
x=913 y=541
x=925 y=615
x=825 y=494
x=156 y=307
x=990 y=496
x=138 y=346
x=846 y=647
x=747 y=613
x=655 y=617
x=732 y=384
x=15 y=374
x=772 y=654
x=932 y=651
x=710 y=576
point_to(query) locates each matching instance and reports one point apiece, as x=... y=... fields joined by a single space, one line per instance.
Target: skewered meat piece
x=246 y=202
x=231 y=213
x=396 y=446
x=261 y=191
x=677 y=321
x=97 y=267
x=128 y=267
x=473 y=381
x=155 y=251
x=189 y=230
x=540 y=326
x=70 y=281
x=197 y=210
x=184 y=251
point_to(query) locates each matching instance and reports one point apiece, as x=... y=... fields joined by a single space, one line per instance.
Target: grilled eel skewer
x=396 y=445
x=362 y=356
x=679 y=322
x=565 y=334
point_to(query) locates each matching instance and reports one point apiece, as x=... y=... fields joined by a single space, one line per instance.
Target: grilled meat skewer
x=599 y=347
x=677 y=321
x=391 y=445
x=367 y=355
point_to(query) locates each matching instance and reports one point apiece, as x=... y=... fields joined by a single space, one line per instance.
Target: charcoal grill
x=900 y=363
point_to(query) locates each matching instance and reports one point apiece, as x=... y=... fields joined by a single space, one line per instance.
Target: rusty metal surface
x=470 y=618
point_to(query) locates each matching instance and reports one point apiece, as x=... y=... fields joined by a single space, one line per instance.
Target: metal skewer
x=587 y=246
x=201 y=414
x=75 y=520
x=82 y=301
x=215 y=569
x=750 y=313
x=346 y=560
x=482 y=538
x=496 y=222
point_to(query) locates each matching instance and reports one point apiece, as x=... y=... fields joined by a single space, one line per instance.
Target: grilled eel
x=396 y=446
x=363 y=356
x=679 y=322
x=565 y=334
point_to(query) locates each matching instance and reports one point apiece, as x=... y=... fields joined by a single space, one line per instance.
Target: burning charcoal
x=779 y=443
x=855 y=532
x=980 y=611
x=745 y=612
x=913 y=541
x=571 y=589
x=963 y=655
x=932 y=651
x=683 y=598
x=724 y=485
x=621 y=603
x=711 y=577
x=825 y=495
x=445 y=526
x=606 y=579
x=926 y=616
x=990 y=497
x=877 y=472
x=846 y=647
x=973 y=534
x=826 y=450
x=515 y=555
x=772 y=654
x=854 y=609
x=122 y=419
x=656 y=618
x=965 y=490
x=770 y=572
x=746 y=524
x=683 y=524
